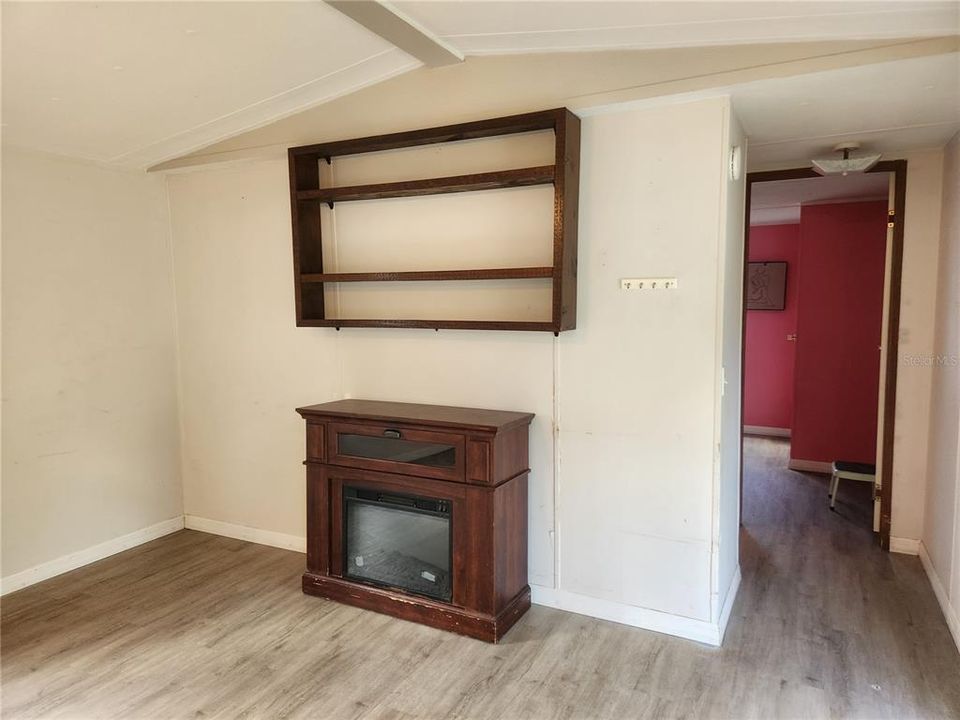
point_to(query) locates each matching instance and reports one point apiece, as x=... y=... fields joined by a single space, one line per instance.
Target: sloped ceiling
x=893 y=106
x=484 y=28
x=131 y=83
x=134 y=84
x=795 y=112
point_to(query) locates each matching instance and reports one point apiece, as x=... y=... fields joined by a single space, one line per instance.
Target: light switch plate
x=657 y=283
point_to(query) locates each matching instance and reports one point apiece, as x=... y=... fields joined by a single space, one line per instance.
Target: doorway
x=839 y=281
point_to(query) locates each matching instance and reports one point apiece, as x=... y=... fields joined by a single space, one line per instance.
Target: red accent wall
x=769 y=362
x=839 y=319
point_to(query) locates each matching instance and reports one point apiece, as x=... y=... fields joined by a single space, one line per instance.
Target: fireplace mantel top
x=432 y=415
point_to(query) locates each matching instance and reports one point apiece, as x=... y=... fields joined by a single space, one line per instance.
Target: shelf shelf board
x=522 y=177
x=432 y=324
x=431 y=275
x=526 y=122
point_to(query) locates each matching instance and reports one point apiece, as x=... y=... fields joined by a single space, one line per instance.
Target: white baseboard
x=766 y=431
x=949 y=612
x=810 y=466
x=728 y=604
x=688 y=628
x=242 y=532
x=906 y=546
x=50 y=569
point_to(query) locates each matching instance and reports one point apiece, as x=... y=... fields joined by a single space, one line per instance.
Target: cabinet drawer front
x=397 y=449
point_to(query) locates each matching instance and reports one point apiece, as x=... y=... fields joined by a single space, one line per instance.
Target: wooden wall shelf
x=433 y=324
x=495 y=274
x=434 y=186
x=307 y=199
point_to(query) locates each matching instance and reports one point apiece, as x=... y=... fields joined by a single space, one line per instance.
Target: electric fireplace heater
x=419 y=511
x=397 y=541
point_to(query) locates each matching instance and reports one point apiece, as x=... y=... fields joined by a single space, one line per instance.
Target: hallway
x=863 y=626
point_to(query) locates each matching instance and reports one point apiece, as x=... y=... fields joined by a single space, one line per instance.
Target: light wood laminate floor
x=198 y=626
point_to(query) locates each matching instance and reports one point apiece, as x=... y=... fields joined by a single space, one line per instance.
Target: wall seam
x=556 y=463
x=953 y=569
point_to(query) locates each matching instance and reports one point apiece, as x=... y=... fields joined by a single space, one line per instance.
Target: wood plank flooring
x=198 y=626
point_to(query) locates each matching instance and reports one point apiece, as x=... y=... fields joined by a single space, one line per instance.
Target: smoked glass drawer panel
x=416 y=452
x=396 y=449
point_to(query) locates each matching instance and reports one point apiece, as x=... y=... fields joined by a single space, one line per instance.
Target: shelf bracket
x=330 y=204
x=327 y=158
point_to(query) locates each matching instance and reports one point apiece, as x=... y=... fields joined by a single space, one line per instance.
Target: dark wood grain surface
x=420 y=275
x=508 y=125
x=430 y=415
x=511 y=325
x=483 y=480
x=522 y=177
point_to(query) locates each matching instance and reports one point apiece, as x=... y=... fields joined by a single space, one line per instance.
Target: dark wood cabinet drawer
x=397 y=449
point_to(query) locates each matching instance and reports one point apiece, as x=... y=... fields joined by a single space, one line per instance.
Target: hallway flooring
x=199 y=626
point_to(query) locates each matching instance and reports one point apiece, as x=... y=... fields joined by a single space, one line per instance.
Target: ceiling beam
x=400 y=30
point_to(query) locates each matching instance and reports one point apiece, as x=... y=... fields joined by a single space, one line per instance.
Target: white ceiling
x=136 y=83
x=483 y=27
x=779 y=202
x=132 y=83
x=892 y=106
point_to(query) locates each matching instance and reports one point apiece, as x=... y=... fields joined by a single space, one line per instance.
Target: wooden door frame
x=899 y=170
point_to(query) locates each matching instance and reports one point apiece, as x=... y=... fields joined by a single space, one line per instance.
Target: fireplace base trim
x=489 y=628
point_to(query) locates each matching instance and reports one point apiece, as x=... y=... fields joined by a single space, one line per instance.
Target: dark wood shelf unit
x=307 y=199
x=421 y=275
x=433 y=186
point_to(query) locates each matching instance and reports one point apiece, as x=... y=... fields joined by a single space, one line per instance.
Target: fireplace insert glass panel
x=397 y=541
x=389 y=447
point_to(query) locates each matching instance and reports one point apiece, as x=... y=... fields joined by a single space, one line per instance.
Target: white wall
x=729 y=382
x=90 y=430
x=941 y=534
x=625 y=404
x=637 y=379
x=917 y=310
x=245 y=366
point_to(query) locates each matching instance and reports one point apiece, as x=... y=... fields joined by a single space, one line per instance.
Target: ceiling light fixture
x=846 y=164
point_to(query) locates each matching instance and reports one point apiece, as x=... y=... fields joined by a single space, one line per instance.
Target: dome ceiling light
x=846 y=164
